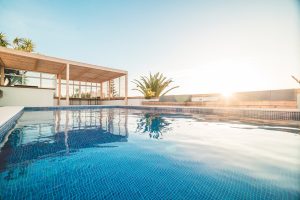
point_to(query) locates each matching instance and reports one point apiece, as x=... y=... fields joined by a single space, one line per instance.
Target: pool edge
x=254 y=113
x=11 y=115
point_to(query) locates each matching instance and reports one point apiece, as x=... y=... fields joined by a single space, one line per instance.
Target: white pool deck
x=8 y=112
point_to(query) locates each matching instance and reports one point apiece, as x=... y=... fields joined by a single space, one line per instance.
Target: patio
x=68 y=75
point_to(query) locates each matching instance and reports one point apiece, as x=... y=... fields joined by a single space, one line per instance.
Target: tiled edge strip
x=267 y=114
x=9 y=124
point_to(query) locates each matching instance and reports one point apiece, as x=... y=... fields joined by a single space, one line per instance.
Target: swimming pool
x=117 y=153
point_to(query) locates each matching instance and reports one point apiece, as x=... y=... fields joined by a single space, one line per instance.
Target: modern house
x=48 y=81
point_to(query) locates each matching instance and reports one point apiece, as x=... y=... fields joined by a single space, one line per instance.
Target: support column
x=109 y=90
x=2 y=75
x=91 y=90
x=298 y=99
x=126 y=89
x=79 y=95
x=119 y=87
x=73 y=91
x=67 y=83
x=101 y=90
x=59 y=88
x=41 y=80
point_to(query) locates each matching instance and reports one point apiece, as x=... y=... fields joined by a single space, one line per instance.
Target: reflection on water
x=107 y=154
x=154 y=124
x=60 y=133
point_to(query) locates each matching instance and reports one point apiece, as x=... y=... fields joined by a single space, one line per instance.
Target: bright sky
x=205 y=46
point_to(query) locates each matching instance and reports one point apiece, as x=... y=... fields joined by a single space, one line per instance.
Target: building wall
x=286 y=98
x=131 y=102
x=63 y=102
x=268 y=95
x=265 y=95
x=19 y=96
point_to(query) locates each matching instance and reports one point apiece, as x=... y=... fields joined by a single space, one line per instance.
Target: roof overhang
x=15 y=59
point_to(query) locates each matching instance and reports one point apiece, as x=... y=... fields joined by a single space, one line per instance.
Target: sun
x=227 y=93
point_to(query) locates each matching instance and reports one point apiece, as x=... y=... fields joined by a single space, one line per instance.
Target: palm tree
x=23 y=44
x=16 y=42
x=28 y=45
x=154 y=85
x=154 y=124
x=3 y=41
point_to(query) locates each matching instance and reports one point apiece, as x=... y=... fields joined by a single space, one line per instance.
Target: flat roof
x=15 y=59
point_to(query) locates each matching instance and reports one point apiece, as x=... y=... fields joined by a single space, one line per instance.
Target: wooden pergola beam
x=105 y=78
x=109 y=89
x=1 y=62
x=11 y=53
x=2 y=76
x=81 y=73
x=101 y=90
x=36 y=64
x=2 y=67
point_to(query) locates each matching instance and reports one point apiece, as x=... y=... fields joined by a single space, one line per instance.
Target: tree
x=16 y=42
x=154 y=85
x=23 y=44
x=154 y=124
x=3 y=41
x=13 y=76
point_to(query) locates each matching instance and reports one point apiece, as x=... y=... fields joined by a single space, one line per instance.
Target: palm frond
x=153 y=85
x=170 y=90
x=3 y=40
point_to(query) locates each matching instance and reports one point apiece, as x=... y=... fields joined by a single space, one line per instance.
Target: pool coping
x=10 y=114
x=152 y=107
x=8 y=118
x=255 y=113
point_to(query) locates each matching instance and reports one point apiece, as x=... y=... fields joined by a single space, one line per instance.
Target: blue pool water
x=133 y=154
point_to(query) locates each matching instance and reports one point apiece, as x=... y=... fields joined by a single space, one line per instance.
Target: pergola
x=64 y=69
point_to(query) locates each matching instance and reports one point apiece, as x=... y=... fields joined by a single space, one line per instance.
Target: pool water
x=135 y=154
